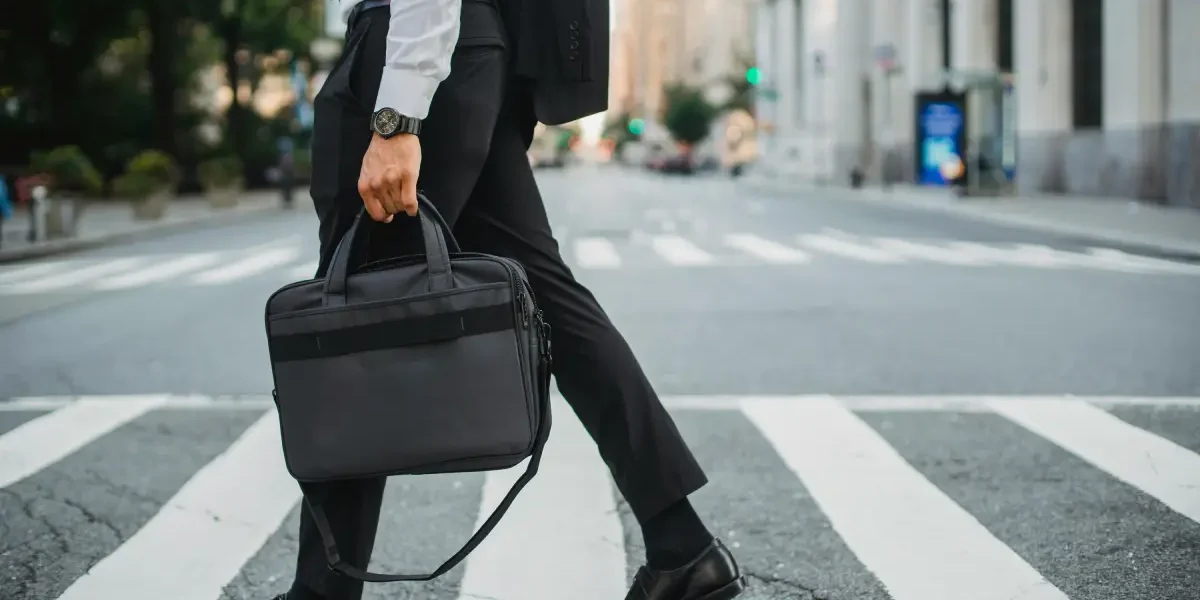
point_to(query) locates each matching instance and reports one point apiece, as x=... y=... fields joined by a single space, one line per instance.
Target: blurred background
x=917 y=279
x=989 y=96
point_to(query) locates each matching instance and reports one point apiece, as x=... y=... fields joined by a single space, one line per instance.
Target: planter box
x=225 y=196
x=154 y=206
x=63 y=212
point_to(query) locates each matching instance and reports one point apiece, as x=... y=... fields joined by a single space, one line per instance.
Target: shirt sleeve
x=420 y=40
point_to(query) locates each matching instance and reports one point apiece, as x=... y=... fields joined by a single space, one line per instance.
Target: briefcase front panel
x=353 y=381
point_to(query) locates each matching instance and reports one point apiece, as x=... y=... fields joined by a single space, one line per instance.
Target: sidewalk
x=106 y=222
x=1162 y=230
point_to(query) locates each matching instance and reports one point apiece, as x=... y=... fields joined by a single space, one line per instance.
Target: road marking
x=926 y=252
x=38 y=443
x=1115 y=259
x=596 y=253
x=1014 y=256
x=75 y=277
x=1146 y=461
x=202 y=537
x=247 y=267
x=916 y=540
x=28 y=272
x=678 y=251
x=767 y=250
x=968 y=404
x=160 y=272
x=840 y=247
x=562 y=537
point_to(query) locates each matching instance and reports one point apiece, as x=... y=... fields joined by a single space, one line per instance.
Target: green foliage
x=135 y=186
x=156 y=165
x=147 y=173
x=688 y=115
x=70 y=170
x=743 y=86
x=84 y=73
x=220 y=172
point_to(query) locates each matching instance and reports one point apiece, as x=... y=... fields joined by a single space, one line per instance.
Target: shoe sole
x=728 y=591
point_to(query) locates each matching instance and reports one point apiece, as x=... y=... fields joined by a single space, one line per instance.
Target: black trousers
x=475 y=170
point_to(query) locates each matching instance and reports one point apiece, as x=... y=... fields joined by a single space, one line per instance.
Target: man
x=444 y=95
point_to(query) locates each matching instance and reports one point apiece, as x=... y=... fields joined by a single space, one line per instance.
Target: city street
x=890 y=404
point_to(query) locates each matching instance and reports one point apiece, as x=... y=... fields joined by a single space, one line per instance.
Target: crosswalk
x=901 y=498
x=645 y=250
x=283 y=262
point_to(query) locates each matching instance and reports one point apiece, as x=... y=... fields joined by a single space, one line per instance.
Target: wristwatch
x=386 y=122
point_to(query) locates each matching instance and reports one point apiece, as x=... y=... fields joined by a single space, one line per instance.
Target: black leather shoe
x=713 y=575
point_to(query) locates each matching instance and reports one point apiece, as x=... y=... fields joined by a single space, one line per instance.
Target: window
x=1004 y=35
x=1087 y=64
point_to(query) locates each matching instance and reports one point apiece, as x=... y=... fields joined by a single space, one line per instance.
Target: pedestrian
x=443 y=95
x=6 y=207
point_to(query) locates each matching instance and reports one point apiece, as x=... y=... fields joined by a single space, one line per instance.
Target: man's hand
x=388 y=180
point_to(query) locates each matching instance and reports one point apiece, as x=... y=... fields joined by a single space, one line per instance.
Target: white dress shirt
x=420 y=40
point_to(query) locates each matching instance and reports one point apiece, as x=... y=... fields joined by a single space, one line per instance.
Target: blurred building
x=1094 y=97
x=657 y=42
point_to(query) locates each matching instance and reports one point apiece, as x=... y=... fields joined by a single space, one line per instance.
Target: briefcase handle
x=334 y=559
x=439 y=244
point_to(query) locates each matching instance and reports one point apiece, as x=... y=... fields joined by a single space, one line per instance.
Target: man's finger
x=390 y=191
x=408 y=194
x=371 y=200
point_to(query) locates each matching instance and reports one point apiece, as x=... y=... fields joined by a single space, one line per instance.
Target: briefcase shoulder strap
x=337 y=564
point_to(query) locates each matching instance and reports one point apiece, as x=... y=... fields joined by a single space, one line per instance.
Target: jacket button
x=574 y=45
x=574 y=25
x=573 y=35
x=574 y=55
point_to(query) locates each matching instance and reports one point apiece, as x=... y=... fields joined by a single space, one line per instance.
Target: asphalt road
x=890 y=404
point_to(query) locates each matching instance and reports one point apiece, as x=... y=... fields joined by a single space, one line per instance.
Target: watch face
x=386 y=121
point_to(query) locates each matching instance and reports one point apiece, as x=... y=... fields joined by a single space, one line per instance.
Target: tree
x=688 y=115
x=49 y=47
x=249 y=29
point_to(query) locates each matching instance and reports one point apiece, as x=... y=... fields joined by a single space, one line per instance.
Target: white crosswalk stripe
x=291 y=262
x=248 y=266
x=769 y=251
x=677 y=250
x=564 y=537
x=842 y=247
x=596 y=253
x=75 y=277
x=160 y=272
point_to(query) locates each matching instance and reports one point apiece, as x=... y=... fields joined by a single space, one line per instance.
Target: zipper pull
x=524 y=309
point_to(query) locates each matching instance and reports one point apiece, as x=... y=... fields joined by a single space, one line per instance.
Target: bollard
x=39 y=210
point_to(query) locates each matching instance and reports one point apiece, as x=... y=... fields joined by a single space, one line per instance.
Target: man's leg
x=454 y=142
x=595 y=369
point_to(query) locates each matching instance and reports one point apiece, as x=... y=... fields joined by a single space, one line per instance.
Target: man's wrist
x=407 y=92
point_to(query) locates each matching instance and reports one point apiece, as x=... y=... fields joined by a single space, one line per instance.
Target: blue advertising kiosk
x=941 y=138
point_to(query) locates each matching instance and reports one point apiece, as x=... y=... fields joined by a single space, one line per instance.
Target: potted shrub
x=222 y=178
x=149 y=182
x=73 y=180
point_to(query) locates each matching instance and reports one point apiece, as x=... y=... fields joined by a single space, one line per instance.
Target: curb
x=69 y=245
x=1156 y=247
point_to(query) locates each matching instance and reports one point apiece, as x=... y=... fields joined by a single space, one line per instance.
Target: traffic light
x=753 y=75
x=637 y=126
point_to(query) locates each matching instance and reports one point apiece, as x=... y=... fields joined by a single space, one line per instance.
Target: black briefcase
x=433 y=363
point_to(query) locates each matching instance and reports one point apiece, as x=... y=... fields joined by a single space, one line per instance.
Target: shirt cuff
x=406 y=92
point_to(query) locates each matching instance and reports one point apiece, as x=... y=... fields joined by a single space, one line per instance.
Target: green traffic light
x=636 y=126
x=753 y=75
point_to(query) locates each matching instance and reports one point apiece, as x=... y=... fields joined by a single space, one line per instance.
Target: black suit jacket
x=562 y=46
